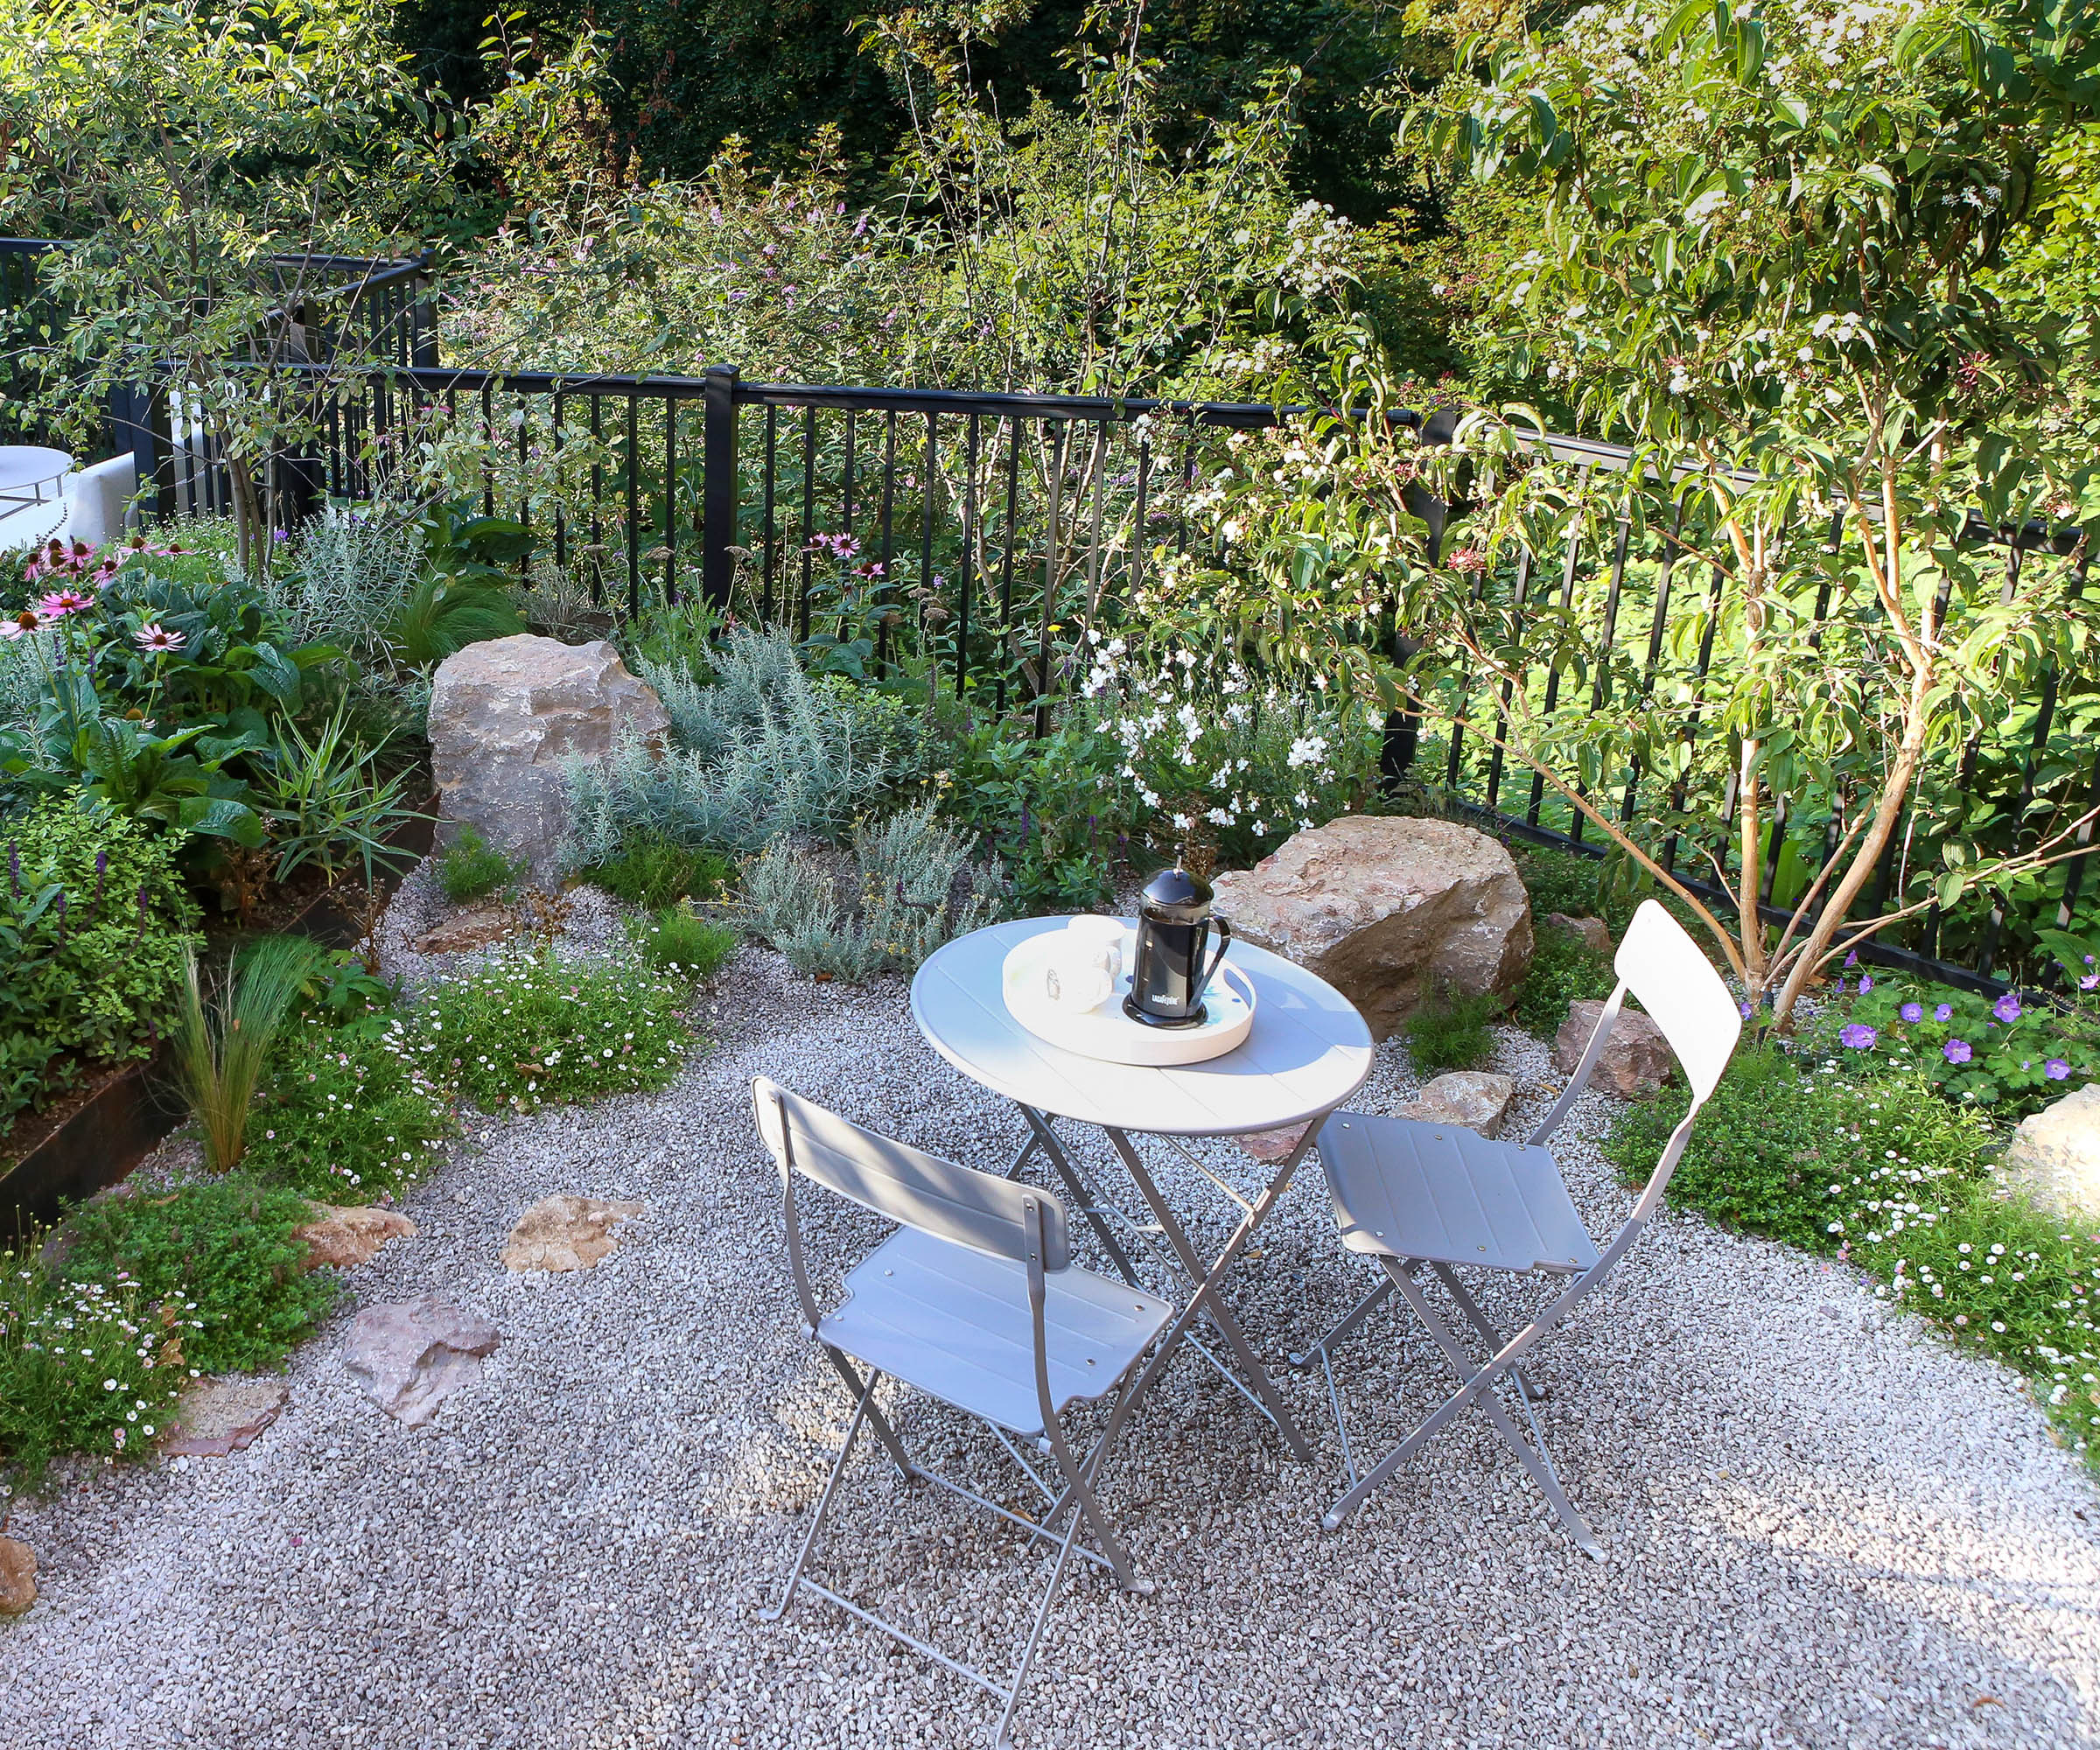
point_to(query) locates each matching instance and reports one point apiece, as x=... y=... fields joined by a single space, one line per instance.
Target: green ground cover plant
x=223 y=1246
x=351 y=1113
x=95 y=924
x=85 y=1365
x=1450 y=1031
x=1897 y=1183
x=525 y=1029
x=678 y=940
x=2009 y=1053
x=1565 y=969
x=654 y=873
x=471 y=868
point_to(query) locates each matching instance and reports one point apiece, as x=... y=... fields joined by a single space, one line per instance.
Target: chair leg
x=877 y=1420
x=999 y=1740
x=823 y=1503
x=1477 y=1385
x=1486 y=1332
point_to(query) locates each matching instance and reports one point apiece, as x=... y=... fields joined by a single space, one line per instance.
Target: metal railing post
x=718 y=505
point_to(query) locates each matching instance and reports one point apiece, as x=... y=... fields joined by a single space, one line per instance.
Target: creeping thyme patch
x=352 y=1112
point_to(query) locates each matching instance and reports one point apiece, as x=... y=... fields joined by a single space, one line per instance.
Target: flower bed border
x=124 y=1119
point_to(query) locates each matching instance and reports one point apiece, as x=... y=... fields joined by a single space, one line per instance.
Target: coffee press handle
x=1224 y=930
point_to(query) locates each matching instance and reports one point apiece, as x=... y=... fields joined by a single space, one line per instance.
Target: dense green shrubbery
x=351 y=1112
x=222 y=1246
x=1565 y=969
x=526 y=1029
x=93 y=926
x=1450 y=1031
x=1896 y=1182
x=85 y=1365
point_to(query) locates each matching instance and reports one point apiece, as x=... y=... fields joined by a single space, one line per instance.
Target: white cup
x=1103 y=938
x=1074 y=979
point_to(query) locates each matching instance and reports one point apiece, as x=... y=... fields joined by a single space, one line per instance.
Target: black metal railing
x=965 y=538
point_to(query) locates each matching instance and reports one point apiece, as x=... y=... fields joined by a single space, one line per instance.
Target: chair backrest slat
x=1662 y=965
x=938 y=1197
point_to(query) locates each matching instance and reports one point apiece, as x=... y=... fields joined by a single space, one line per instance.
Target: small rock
x=18 y=1577
x=220 y=1415
x=1473 y=1098
x=2054 y=1157
x=410 y=1355
x=477 y=927
x=1387 y=909
x=1595 y=933
x=1637 y=1059
x=1271 y=1145
x=345 y=1238
x=564 y=1232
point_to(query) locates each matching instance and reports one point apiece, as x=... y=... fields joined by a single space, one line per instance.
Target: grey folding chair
x=1412 y=1195
x=974 y=1301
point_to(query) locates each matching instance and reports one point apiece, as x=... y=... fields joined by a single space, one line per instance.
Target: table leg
x=1207 y=1299
x=1043 y=1135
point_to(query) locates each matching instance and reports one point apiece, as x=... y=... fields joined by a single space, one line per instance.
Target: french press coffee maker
x=1168 y=976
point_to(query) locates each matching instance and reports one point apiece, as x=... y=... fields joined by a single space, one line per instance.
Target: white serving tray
x=1107 y=1033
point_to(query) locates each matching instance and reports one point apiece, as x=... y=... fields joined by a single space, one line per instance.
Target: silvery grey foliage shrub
x=354 y=568
x=910 y=868
x=763 y=752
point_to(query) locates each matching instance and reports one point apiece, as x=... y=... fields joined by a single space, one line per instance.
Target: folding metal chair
x=1413 y=1194
x=974 y=1301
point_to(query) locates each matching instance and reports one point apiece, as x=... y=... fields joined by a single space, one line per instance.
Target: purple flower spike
x=1957 y=1051
x=1857 y=1036
x=2007 y=1008
x=2057 y=1070
x=1912 y=1011
x=1944 y=1012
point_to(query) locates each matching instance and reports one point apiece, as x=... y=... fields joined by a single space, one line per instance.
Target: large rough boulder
x=506 y=715
x=2054 y=1157
x=412 y=1355
x=1636 y=1060
x=1387 y=909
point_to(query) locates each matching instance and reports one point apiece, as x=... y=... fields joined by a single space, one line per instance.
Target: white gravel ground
x=1824 y=1529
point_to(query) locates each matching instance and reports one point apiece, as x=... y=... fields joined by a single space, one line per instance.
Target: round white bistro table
x=1308 y=1051
x=25 y=470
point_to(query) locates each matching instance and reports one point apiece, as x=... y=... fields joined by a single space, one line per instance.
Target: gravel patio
x=1824 y=1527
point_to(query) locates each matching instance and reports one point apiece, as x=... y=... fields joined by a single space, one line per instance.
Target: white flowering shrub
x=526 y=1029
x=1224 y=763
x=85 y=1365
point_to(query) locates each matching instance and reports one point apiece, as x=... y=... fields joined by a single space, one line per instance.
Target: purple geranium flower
x=1853 y=959
x=1856 y=1036
x=1866 y=983
x=2057 y=1070
x=1957 y=1051
x=1944 y=1012
x=1912 y=1011
x=2007 y=1008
